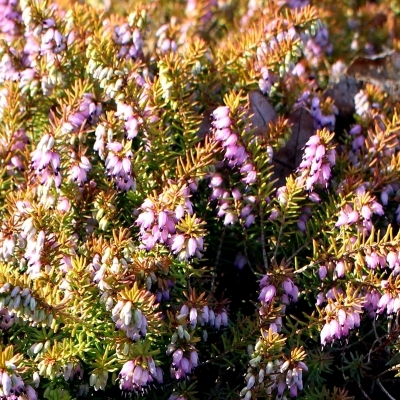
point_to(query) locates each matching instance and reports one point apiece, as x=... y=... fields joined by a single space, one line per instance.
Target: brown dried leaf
x=382 y=70
x=205 y=124
x=262 y=112
x=288 y=158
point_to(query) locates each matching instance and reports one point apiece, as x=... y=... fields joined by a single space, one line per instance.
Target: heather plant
x=199 y=200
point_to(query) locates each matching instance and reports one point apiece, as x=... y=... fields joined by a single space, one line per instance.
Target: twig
x=362 y=391
x=377 y=340
x=299 y=271
x=264 y=251
x=384 y=390
x=220 y=247
x=350 y=345
x=376 y=333
x=246 y=253
x=278 y=242
x=213 y=272
x=295 y=254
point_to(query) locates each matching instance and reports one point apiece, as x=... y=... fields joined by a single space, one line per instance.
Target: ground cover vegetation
x=199 y=200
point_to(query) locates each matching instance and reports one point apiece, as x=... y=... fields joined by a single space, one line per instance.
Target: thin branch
x=376 y=333
x=246 y=253
x=362 y=391
x=278 y=242
x=384 y=390
x=213 y=273
x=295 y=254
x=264 y=251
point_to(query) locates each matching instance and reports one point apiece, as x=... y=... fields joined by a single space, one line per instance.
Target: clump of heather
x=199 y=199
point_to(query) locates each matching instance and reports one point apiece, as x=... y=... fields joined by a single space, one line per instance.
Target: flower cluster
x=240 y=260
x=234 y=152
x=390 y=299
x=359 y=139
x=165 y=41
x=29 y=246
x=129 y=40
x=277 y=33
x=132 y=321
x=44 y=40
x=232 y=205
x=304 y=217
x=131 y=121
x=318 y=46
x=169 y=220
x=323 y=117
x=12 y=150
x=393 y=261
x=280 y=288
x=371 y=298
x=45 y=162
x=133 y=310
x=342 y=313
x=52 y=40
x=119 y=166
x=360 y=212
x=296 y=3
x=201 y=10
x=9 y=20
x=85 y=116
x=362 y=104
x=216 y=317
x=137 y=374
x=13 y=387
x=21 y=303
x=112 y=261
x=7 y=319
x=318 y=159
x=269 y=290
x=338 y=267
x=80 y=166
x=266 y=81
x=184 y=360
x=8 y=71
x=117 y=163
x=270 y=375
x=87 y=113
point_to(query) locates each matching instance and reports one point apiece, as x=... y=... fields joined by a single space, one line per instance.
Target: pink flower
x=371 y=301
x=366 y=212
x=383 y=302
x=267 y=293
x=322 y=272
x=372 y=260
x=145 y=219
x=221 y=123
x=134 y=377
x=249 y=220
x=220 y=112
x=314 y=197
x=182 y=363
x=392 y=258
x=240 y=261
x=216 y=180
x=340 y=269
x=191 y=247
x=377 y=208
x=352 y=217
x=355 y=130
